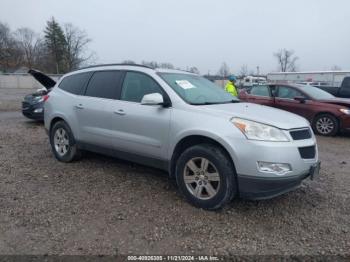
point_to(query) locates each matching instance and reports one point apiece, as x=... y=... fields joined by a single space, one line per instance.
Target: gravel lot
x=101 y=205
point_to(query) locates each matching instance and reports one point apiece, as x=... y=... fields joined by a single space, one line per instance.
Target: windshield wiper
x=233 y=101
x=216 y=103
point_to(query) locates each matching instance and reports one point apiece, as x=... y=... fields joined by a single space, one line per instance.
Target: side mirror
x=301 y=99
x=152 y=99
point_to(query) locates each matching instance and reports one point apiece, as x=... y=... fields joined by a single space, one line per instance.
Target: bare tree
x=29 y=43
x=131 y=62
x=152 y=64
x=286 y=60
x=4 y=46
x=5 y=38
x=224 y=70
x=336 y=68
x=194 y=70
x=166 y=65
x=43 y=59
x=243 y=71
x=10 y=54
x=76 y=52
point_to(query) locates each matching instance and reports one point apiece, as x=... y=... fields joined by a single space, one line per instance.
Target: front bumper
x=264 y=188
x=28 y=110
x=345 y=122
x=253 y=183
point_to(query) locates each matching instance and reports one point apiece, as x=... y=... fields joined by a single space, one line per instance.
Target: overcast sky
x=200 y=33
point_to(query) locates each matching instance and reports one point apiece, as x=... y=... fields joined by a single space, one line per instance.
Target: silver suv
x=215 y=146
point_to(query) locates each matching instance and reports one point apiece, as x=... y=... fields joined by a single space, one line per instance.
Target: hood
x=337 y=101
x=263 y=114
x=43 y=79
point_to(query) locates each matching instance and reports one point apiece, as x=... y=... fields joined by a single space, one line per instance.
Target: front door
x=140 y=129
x=285 y=99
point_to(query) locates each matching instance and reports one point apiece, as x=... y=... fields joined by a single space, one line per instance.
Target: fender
x=204 y=133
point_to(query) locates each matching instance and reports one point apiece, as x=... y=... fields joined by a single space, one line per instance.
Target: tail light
x=45 y=97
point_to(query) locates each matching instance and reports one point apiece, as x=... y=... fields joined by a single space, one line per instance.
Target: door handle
x=80 y=106
x=119 y=112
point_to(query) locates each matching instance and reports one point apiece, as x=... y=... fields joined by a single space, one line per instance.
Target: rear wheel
x=326 y=125
x=63 y=143
x=206 y=177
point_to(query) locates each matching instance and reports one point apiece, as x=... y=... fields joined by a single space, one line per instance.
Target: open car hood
x=43 y=79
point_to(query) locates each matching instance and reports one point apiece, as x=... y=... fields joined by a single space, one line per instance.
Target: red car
x=327 y=114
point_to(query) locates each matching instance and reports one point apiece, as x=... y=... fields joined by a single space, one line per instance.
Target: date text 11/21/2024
x=173 y=258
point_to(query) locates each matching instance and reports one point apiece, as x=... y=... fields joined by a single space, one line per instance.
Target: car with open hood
x=326 y=113
x=33 y=104
x=215 y=146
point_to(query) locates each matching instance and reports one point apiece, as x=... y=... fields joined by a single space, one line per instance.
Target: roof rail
x=121 y=64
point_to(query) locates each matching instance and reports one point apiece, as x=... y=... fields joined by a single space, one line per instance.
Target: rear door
x=74 y=85
x=285 y=99
x=93 y=113
x=140 y=129
x=260 y=94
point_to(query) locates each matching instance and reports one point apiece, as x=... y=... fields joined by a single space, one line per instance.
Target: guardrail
x=21 y=81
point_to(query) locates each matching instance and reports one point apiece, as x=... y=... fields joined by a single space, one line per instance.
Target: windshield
x=197 y=90
x=315 y=92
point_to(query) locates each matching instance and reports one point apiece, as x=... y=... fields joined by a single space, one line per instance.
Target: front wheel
x=206 y=176
x=326 y=125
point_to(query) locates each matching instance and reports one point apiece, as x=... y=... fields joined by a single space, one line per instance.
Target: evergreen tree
x=56 y=43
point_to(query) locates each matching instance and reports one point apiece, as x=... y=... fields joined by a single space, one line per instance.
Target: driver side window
x=136 y=85
x=288 y=92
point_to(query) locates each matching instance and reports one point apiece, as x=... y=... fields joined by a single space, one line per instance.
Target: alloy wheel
x=201 y=178
x=61 y=141
x=324 y=125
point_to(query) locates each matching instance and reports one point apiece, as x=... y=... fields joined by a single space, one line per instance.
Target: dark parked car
x=342 y=91
x=326 y=113
x=33 y=104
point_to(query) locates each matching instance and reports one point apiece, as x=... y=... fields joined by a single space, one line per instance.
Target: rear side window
x=260 y=91
x=75 y=84
x=104 y=84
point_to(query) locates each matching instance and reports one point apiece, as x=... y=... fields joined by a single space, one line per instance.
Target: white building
x=331 y=78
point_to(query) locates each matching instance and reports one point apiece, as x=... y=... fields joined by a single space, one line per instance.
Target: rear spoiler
x=43 y=79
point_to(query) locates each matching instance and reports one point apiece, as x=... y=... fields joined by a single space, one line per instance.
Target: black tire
x=221 y=162
x=319 y=125
x=72 y=153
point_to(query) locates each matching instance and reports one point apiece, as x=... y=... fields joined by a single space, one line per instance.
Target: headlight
x=257 y=131
x=345 y=111
x=38 y=99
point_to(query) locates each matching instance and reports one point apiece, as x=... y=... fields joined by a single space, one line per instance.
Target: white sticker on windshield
x=184 y=84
